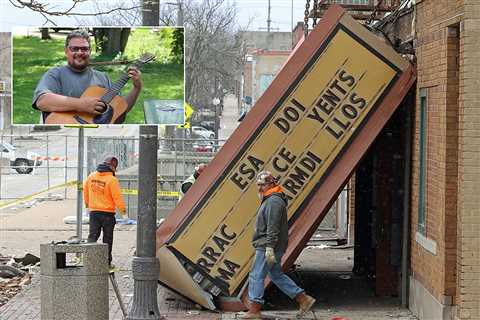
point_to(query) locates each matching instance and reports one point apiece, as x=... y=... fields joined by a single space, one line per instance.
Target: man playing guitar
x=60 y=88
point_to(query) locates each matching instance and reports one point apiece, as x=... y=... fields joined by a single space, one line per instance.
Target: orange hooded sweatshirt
x=101 y=192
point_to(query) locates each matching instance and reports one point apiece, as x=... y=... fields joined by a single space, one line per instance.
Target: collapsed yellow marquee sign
x=299 y=142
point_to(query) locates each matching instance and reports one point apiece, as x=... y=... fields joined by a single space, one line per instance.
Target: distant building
x=266 y=52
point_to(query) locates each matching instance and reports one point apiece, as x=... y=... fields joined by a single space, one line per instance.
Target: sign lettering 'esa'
x=299 y=139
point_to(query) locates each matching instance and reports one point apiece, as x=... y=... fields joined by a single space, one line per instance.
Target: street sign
x=188 y=113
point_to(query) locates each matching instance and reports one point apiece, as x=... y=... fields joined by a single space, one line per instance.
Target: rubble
x=15 y=273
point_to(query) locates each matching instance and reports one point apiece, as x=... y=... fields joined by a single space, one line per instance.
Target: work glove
x=270 y=257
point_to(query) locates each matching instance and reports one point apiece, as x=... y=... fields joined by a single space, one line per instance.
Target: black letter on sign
x=282 y=124
x=249 y=172
x=220 y=242
x=224 y=233
x=345 y=77
x=204 y=264
x=291 y=114
x=257 y=163
x=228 y=274
x=354 y=98
x=238 y=180
x=210 y=254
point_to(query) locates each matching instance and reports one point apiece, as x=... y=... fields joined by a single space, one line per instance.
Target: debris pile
x=15 y=273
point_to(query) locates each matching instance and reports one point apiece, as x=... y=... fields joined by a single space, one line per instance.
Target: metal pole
x=268 y=19
x=80 y=154
x=291 y=24
x=145 y=266
x=406 y=204
x=48 y=166
x=66 y=168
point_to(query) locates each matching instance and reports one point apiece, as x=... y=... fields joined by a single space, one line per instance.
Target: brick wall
x=468 y=205
x=437 y=72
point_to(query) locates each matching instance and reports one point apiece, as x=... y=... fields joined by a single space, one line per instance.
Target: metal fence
x=51 y=165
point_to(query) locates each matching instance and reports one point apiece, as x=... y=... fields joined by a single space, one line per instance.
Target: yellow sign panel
x=299 y=142
x=188 y=113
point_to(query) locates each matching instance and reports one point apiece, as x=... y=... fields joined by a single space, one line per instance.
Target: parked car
x=203 y=145
x=22 y=162
x=208 y=124
x=202 y=132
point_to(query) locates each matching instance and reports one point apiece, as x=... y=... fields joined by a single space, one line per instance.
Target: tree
x=45 y=34
x=213 y=54
x=151 y=12
x=111 y=41
x=48 y=11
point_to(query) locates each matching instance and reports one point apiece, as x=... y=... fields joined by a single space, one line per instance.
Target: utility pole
x=80 y=156
x=145 y=265
x=180 y=13
x=291 y=24
x=268 y=19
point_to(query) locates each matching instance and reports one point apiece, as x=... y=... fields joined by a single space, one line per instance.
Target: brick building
x=442 y=208
x=445 y=213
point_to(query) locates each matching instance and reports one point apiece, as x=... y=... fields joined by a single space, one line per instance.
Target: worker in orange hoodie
x=101 y=193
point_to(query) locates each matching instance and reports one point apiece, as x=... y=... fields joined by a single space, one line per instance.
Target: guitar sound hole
x=105 y=117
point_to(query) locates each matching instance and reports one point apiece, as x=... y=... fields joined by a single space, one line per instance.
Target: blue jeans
x=260 y=270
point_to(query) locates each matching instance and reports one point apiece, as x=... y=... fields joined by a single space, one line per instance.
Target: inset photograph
x=98 y=75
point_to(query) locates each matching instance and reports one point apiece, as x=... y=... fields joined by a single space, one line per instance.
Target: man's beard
x=79 y=66
x=260 y=195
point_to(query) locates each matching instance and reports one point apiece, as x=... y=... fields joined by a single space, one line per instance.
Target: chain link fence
x=47 y=163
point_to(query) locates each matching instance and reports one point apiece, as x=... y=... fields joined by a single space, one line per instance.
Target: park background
x=162 y=79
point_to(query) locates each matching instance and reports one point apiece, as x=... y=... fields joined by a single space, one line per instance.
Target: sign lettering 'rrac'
x=300 y=139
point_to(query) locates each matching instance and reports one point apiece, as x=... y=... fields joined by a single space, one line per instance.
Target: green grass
x=32 y=57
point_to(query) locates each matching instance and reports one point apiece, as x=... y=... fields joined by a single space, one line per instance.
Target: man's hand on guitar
x=134 y=74
x=92 y=105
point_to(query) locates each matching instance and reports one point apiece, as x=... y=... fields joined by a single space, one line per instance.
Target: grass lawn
x=32 y=57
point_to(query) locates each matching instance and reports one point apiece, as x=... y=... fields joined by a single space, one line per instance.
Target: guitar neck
x=115 y=89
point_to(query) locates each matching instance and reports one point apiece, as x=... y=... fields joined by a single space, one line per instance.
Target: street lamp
x=216 y=102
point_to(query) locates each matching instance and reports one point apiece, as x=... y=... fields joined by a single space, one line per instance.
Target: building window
x=422 y=161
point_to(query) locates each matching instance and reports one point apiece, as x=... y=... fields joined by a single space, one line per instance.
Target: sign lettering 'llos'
x=299 y=141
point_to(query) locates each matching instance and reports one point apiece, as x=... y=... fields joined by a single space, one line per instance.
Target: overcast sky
x=254 y=10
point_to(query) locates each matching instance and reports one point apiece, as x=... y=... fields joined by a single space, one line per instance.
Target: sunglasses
x=79 y=49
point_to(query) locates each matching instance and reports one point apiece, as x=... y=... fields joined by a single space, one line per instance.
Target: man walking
x=270 y=241
x=101 y=193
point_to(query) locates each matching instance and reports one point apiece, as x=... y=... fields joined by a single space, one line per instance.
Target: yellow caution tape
x=29 y=197
x=159 y=193
x=80 y=125
x=6 y=203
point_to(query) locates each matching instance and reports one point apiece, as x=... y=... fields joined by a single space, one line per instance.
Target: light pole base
x=145 y=274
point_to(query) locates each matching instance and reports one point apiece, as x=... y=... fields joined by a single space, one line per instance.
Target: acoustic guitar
x=115 y=106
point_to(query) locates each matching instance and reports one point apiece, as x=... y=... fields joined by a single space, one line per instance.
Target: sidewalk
x=322 y=272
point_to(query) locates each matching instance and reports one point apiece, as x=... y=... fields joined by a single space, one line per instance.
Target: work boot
x=253 y=311
x=305 y=302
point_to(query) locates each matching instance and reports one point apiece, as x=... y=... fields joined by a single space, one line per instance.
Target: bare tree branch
x=47 y=10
